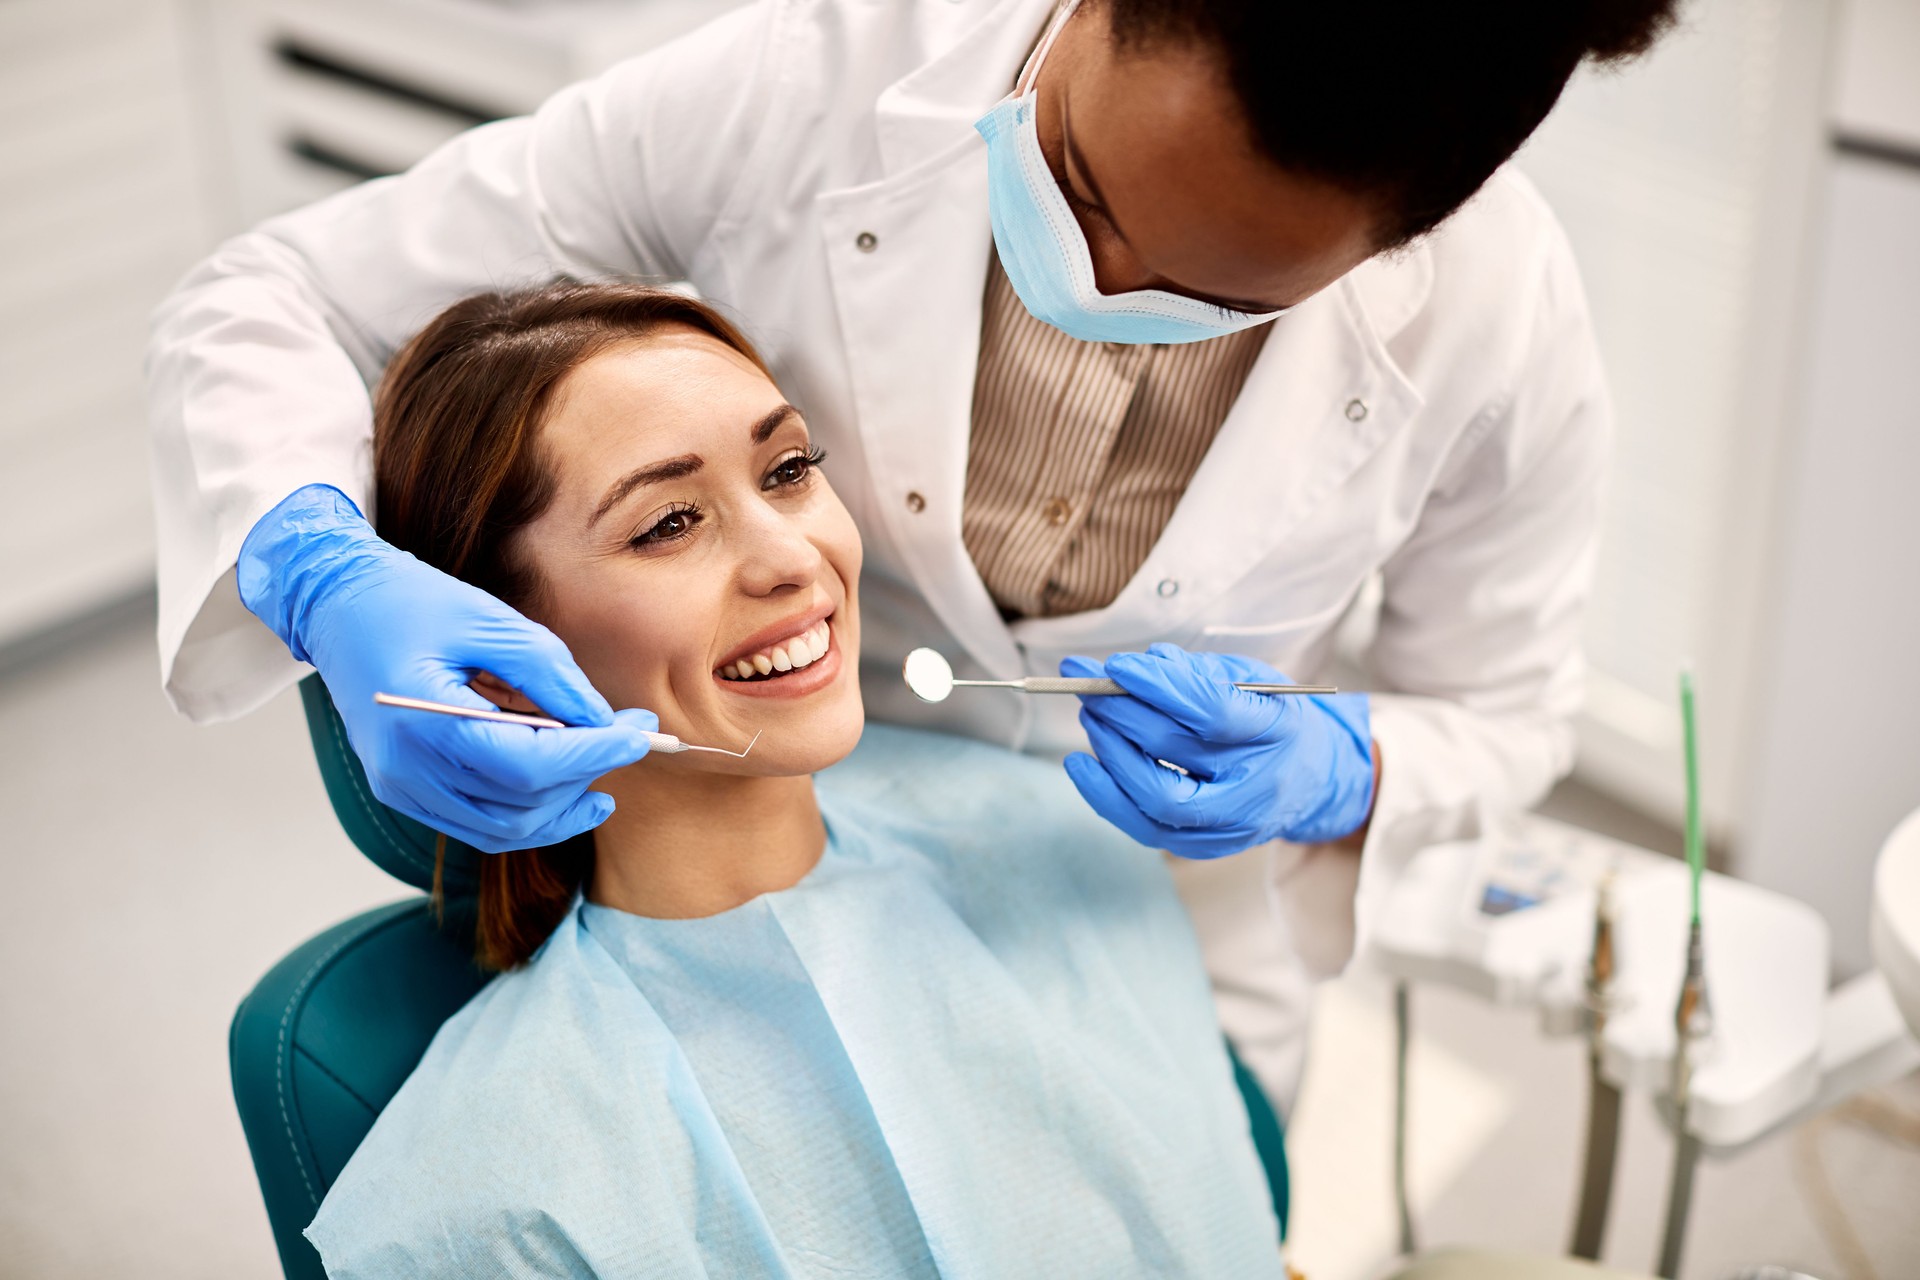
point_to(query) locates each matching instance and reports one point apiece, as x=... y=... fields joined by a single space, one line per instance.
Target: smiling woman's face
x=691 y=542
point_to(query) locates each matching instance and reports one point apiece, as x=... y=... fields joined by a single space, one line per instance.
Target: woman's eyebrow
x=683 y=466
x=652 y=473
x=764 y=429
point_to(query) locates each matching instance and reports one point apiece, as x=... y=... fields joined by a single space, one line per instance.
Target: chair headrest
x=398 y=845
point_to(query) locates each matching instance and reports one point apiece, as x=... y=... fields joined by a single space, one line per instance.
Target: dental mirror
x=930 y=676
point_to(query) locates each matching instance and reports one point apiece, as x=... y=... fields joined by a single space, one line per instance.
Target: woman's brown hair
x=459 y=470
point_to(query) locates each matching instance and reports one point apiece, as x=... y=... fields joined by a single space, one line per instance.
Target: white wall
x=1839 y=753
x=1683 y=183
x=1755 y=282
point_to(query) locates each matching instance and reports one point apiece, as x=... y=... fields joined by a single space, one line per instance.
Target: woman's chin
x=796 y=736
x=811 y=748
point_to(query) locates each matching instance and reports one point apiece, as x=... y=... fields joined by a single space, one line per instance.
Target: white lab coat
x=1436 y=418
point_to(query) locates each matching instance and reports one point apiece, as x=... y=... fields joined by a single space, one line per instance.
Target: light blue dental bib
x=978 y=1045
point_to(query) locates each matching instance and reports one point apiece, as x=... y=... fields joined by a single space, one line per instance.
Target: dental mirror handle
x=1100 y=687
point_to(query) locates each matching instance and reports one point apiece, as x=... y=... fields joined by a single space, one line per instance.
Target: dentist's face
x=1159 y=165
x=694 y=558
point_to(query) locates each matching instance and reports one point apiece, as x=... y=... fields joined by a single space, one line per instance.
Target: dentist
x=1148 y=328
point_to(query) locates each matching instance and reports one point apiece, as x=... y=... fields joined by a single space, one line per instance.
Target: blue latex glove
x=372 y=618
x=1260 y=767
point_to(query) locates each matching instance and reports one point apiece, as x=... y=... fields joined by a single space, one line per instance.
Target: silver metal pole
x=1692 y=1023
x=1603 y=1100
x=1686 y=1155
x=1603 y=1141
x=1402 y=1033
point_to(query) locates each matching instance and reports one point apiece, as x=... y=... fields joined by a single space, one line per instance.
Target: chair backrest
x=328 y=1036
x=325 y=1040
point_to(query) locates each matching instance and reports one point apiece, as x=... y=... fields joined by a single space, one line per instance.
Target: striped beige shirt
x=1081 y=450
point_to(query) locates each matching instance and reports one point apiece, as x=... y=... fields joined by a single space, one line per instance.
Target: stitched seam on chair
x=372 y=806
x=330 y=1074
x=280 y=1053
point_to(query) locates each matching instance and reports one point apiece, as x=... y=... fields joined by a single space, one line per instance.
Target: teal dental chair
x=326 y=1038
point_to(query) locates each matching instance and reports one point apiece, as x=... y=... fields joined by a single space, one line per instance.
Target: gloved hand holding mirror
x=1251 y=768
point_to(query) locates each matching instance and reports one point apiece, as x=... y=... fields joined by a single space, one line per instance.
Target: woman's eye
x=676 y=524
x=796 y=469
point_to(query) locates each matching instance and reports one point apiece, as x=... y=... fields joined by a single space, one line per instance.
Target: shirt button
x=866 y=242
x=1057 y=510
x=916 y=503
x=1168 y=587
x=1356 y=410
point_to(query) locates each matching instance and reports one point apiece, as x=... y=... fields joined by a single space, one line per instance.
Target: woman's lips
x=796 y=683
x=791 y=652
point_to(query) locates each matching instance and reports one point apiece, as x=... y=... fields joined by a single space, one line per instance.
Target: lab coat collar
x=925 y=111
x=1390 y=289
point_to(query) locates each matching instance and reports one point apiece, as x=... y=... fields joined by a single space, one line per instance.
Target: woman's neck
x=682 y=843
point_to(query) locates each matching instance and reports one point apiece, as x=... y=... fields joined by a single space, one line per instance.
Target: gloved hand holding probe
x=1259 y=768
x=372 y=618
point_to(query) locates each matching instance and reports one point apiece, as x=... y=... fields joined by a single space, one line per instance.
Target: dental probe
x=663 y=743
x=930 y=677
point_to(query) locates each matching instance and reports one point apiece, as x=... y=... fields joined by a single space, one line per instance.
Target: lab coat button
x=916 y=503
x=1356 y=410
x=866 y=242
x=1057 y=510
x=1168 y=587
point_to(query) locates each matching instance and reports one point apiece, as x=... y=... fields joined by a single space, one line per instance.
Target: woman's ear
x=503 y=695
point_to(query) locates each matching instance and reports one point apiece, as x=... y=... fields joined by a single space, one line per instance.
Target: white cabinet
x=351 y=89
x=134 y=134
x=106 y=197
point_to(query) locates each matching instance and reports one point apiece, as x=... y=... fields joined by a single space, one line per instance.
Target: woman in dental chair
x=936 y=1020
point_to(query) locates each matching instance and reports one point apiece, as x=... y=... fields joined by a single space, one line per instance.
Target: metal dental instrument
x=1693 y=1014
x=663 y=743
x=930 y=676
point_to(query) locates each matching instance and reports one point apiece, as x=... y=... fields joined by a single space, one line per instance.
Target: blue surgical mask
x=1044 y=252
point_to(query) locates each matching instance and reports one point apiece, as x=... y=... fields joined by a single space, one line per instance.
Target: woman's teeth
x=803 y=650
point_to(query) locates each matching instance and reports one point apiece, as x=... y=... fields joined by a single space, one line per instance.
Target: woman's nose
x=776 y=553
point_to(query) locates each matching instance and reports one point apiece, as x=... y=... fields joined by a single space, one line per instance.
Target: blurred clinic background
x=1746 y=209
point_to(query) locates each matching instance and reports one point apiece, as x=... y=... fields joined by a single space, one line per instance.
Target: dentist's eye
x=1080 y=204
x=674 y=525
x=795 y=469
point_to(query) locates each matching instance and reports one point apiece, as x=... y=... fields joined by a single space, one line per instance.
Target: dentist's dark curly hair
x=1411 y=104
